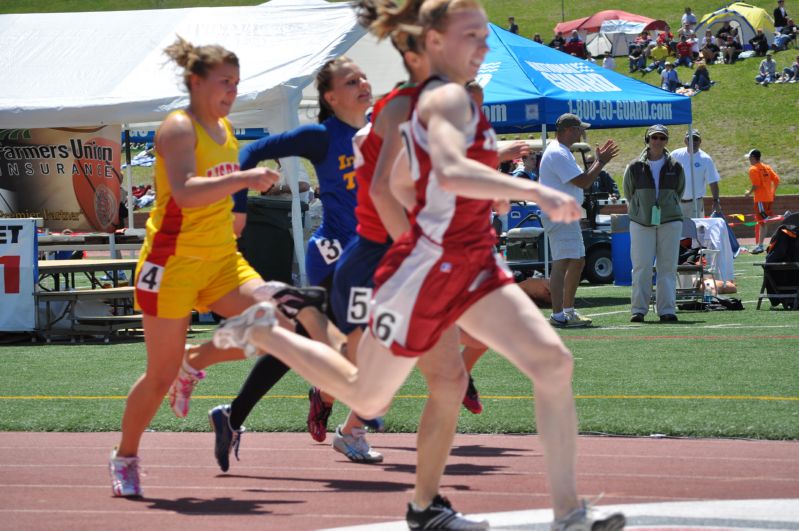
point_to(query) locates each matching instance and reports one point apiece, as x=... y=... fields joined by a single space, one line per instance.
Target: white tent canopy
x=76 y=69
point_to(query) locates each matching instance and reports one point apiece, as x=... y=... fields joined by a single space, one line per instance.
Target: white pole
x=694 y=206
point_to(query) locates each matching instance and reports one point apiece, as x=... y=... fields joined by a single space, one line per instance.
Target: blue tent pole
x=546 y=238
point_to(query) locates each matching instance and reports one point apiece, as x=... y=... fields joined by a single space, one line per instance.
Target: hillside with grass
x=733 y=117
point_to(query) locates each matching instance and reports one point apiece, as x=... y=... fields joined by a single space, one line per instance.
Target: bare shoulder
x=175 y=130
x=446 y=99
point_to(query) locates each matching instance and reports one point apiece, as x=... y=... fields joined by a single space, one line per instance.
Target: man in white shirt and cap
x=698 y=178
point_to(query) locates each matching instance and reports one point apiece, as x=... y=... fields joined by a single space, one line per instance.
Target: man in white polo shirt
x=559 y=170
x=697 y=178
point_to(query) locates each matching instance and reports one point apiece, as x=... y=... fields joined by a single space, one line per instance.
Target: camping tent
x=528 y=85
x=746 y=18
x=75 y=69
x=610 y=31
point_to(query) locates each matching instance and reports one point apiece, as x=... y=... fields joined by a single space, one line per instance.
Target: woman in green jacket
x=653 y=186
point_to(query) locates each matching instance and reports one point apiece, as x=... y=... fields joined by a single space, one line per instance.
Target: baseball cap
x=753 y=153
x=657 y=128
x=570 y=120
x=695 y=134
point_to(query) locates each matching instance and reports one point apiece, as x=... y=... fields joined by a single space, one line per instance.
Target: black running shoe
x=318 y=414
x=471 y=400
x=441 y=515
x=227 y=439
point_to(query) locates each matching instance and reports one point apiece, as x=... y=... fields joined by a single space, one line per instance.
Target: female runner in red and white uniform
x=445 y=272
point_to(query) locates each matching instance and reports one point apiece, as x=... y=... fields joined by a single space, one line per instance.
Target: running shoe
x=235 y=332
x=471 y=400
x=567 y=321
x=355 y=447
x=318 y=413
x=124 y=476
x=577 y=320
x=227 y=439
x=757 y=249
x=290 y=300
x=441 y=515
x=376 y=424
x=181 y=389
x=588 y=517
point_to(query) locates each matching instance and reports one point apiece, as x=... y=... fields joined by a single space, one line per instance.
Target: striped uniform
x=447 y=261
x=189 y=258
x=353 y=280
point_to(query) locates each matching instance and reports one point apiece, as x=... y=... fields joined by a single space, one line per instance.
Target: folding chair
x=692 y=277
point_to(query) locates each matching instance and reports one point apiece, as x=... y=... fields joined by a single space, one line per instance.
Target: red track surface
x=286 y=481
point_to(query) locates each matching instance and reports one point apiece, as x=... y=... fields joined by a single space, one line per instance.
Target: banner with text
x=17 y=274
x=70 y=177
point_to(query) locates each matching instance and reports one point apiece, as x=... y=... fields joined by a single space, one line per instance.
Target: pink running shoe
x=318 y=414
x=124 y=476
x=181 y=389
x=471 y=399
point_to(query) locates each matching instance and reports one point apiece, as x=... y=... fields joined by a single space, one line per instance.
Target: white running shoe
x=577 y=320
x=589 y=518
x=235 y=332
x=355 y=447
x=124 y=476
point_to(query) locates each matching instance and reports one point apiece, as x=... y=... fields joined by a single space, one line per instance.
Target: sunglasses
x=659 y=137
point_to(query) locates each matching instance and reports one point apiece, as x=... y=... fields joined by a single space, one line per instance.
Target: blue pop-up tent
x=528 y=85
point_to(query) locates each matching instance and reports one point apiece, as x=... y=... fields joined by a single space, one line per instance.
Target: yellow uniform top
x=204 y=232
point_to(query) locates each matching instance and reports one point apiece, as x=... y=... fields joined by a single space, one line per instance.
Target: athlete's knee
x=450 y=382
x=552 y=363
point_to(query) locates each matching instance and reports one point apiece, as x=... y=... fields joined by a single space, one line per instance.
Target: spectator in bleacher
x=709 y=49
x=636 y=58
x=759 y=43
x=767 y=72
x=783 y=38
x=537 y=38
x=557 y=42
x=780 y=15
x=643 y=39
x=512 y=26
x=688 y=18
x=669 y=79
x=790 y=74
x=658 y=56
x=575 y=46
x=724 y=30
x=730 y=50
x=701 y=79
x=667 y=37
x=685 y=55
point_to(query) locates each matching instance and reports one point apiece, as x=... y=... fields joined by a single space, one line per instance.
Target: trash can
x=267 y=241
x=620 y=249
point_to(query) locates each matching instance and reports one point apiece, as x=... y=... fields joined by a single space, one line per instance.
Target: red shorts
x=763 y=210
x=421 y=289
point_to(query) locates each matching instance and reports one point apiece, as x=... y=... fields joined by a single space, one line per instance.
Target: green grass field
x=714 y=374
x=735 y=116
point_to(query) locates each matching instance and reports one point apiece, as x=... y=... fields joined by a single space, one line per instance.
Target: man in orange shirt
x=764 y=185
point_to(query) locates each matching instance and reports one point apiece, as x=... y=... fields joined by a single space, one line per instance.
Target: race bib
x=329 y=249
x=150 y=277
x=358 y=307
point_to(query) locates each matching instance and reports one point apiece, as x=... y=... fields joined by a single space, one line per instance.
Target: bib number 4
x=150 y=277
